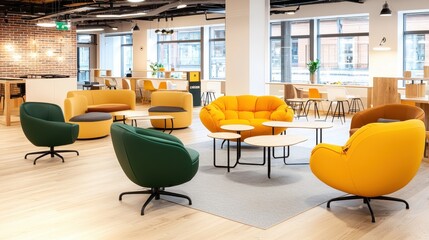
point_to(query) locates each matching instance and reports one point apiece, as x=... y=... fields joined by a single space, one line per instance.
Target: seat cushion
x=106 y=108
x=91 y=117
x=166 y=109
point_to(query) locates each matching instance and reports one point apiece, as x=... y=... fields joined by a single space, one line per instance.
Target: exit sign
x=62 y=26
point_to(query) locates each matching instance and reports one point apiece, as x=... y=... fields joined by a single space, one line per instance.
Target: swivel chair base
x=52 y=152
x=154 y=193
x=367 y=201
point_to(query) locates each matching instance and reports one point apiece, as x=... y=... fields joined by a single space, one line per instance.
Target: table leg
x=228 y=166
x=172 y=125
x=7 y=103
x=269 y=162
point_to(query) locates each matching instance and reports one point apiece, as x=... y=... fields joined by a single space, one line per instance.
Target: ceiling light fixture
x=136 y=1
x=136 y=28
x=120 y=15
x=94 y=29
x=46 y=24
x=385 y=12
x=381 y=46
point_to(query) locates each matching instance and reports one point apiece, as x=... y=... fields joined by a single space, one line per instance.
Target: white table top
x=311 y=125
x=154 y=117
x=129 y=113
x=237 y=127
x=275 y=140
x=224 y=135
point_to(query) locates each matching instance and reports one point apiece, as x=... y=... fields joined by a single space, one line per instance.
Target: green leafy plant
x=313 y=66
x=155 y=66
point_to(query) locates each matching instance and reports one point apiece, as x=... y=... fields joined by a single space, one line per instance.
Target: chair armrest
x=282 y=113
x=158 y=134
x=211 y=116
x=329 y=163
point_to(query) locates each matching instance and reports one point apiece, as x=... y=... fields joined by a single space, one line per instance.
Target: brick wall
x=28 y=49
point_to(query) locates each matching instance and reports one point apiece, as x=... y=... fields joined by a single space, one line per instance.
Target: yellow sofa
x=246 y=109
x=107 y=100
x=174 y=103
x=91 y=110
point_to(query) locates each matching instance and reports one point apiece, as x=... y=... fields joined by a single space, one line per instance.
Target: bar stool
x=207 y=97
x=314 y=98
x=337 y=96
x=354 y=104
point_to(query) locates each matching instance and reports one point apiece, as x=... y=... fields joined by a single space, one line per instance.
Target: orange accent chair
x=378 y=159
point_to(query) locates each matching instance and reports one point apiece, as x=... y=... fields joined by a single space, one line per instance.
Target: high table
x=7 y=82
x=271 y=141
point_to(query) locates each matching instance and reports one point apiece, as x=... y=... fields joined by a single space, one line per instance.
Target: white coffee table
x=318 y=126
x=141 y=115
x=238 y=128
x=224 y=136
x=271 y=141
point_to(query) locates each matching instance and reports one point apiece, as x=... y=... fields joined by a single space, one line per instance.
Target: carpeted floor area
x=246 y=194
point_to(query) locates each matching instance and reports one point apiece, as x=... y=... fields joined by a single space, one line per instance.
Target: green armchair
x=152 y=159
x=43 y=125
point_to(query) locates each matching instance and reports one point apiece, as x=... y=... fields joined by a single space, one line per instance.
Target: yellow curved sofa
x=107 y=100
x=174 y=103
x=91 y=109
x=378 y=159
x=246 y=109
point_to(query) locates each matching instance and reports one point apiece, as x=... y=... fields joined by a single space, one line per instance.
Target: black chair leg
x=367 y=201
x=51 y=152
x=154 y=193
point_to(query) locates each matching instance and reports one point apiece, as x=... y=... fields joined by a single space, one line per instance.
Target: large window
x=290 y=51
x=416 y=43
x=217 y=52
x=117 y=54
x=343 y=50
x=181 y=50
x=341 y=46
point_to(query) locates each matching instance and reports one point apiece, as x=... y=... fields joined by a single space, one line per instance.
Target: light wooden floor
x=78 y=199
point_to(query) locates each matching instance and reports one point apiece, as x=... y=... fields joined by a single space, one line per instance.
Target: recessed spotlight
x=181 y=6
x=136 y=1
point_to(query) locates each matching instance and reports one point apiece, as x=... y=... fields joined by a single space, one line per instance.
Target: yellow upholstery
x=173 y=99
x=246 y=109
x=314 y=93
x=378 y=159
x=77 y=103
x=98 y=98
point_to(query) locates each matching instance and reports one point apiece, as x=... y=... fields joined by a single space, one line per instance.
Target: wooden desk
x=421 y=102
x=7 y=82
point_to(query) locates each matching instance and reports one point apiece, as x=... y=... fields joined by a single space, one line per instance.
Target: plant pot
x=312 y=78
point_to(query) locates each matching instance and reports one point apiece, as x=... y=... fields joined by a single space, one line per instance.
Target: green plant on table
x=156 y=67
x=313 y=66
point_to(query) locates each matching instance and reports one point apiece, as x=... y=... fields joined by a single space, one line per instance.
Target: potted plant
x=156 y=67
x=313 y=66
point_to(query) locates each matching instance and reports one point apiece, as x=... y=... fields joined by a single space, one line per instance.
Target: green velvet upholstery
x=152 y=159
x=43 y=125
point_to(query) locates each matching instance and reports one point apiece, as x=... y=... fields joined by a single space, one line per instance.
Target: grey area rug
x=246 y=195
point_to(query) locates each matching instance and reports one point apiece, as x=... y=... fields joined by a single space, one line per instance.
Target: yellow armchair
x=177 y=104
x=246 y=109
x=378 y=159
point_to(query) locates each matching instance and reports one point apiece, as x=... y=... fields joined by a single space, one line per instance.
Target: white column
x=247 y=46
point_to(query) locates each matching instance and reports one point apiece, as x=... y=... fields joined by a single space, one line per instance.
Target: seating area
x=247 y=110
x=229 y=120
x=91 y=110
